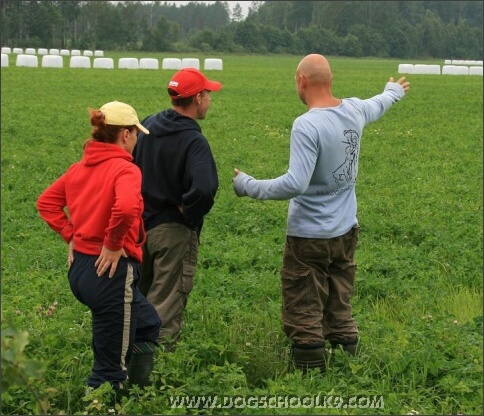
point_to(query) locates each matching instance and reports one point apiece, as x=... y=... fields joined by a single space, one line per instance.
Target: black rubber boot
x=350 y=345
x=141 y=363
x=309 y=356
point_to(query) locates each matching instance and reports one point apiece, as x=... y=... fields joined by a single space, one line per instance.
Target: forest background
x=386 y=29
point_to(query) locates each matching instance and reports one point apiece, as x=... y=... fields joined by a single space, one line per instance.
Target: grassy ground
x=418 y=298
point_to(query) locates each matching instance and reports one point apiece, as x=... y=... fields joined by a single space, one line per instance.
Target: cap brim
x=213 y=86
x=143 y=129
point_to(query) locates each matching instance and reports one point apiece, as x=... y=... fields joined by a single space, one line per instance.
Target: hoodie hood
x=98 y=152
x=168 y=122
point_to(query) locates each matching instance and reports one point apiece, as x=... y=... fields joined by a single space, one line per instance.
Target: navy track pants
x=121 y=315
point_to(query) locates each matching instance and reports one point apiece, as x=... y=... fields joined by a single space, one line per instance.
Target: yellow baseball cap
x=117 y=113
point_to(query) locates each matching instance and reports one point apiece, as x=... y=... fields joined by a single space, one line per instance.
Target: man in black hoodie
x=179 y=185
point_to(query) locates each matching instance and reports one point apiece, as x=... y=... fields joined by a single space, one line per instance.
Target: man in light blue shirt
x=318 y=269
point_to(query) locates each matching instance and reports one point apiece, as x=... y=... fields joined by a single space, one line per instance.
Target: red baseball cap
x=190 y=81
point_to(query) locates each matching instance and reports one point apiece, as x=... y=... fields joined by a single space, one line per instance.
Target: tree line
x=394 y=29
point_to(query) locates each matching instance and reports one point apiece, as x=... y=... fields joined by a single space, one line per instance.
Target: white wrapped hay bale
x=420 y=69
x=455 y=70
x=462 y=70
x=426 y=69
x=98 y=53
x=105 y=63
x=6 y=49
x=18 y=51
x=190 y=63
x=213 y=64
x=171 y=63
x=53 y=51
x=475 y=70
x=65 y=52
x=148 y=63
x=75 y=52
x=448 y=69
x=27 y=60
x=128 y=63
x=88 y=52
x=42 y=51
x=80 y=62
x=52 y=61
x=405 y=69
x=30 y=51
x=433 y=69
x=4 y=59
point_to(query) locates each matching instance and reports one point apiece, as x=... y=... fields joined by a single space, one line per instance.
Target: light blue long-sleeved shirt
x=323 y=166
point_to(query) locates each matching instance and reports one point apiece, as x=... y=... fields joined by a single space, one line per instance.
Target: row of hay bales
x=52 y=51
x=462 y=62
x=57 y=61
x=436 y=70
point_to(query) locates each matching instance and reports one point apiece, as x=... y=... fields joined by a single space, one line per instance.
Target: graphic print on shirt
x=347 y=170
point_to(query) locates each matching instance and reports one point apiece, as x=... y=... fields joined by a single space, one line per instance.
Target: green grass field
x=418 y=296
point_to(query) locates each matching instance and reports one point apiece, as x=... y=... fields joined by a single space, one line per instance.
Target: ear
x=125 y=136
x=302 y=80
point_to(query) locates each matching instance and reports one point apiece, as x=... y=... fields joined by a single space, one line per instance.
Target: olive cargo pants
x=317 y=279
x=170 y=256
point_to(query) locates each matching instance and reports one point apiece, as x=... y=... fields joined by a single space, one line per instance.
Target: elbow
x=198 y=205
x=40 y=206
x=204 y=196
x=300 y=189
x=128 y=211
x=296 y=189
x=206 y=200
x=208 y=195
x=295 y=185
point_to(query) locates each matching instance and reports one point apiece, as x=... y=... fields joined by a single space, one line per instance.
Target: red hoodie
x=102 y=194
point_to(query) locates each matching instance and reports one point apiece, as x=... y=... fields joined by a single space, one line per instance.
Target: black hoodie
x=178 y=170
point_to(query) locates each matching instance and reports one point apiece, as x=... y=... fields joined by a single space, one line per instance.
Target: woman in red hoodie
x=104 y=230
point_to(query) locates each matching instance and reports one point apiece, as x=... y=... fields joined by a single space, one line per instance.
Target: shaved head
x=315 y=68
x=314 y=82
